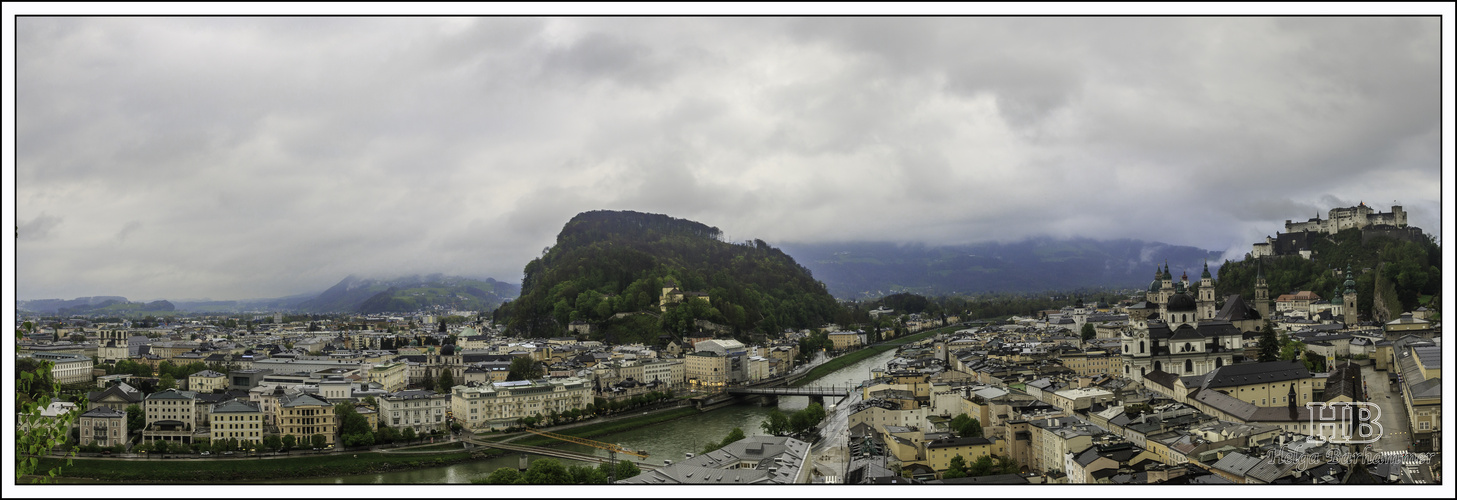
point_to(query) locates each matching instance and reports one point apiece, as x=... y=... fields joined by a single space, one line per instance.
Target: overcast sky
x=231 y=158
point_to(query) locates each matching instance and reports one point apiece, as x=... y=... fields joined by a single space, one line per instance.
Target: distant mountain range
x=411 y=293
x=870 y=270
x=351 y=295
x=104 y=304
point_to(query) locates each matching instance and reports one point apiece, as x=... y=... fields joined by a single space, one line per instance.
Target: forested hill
x=608 y=269
x=1391 y=275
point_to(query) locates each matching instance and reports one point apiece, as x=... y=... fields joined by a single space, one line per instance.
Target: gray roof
x=1237 y=463
x=172 y=394
x=1254 y=373
x=1429 y=356
x=207 y=373
x=1235 y=309
x=104 y=412
x=235 y=406
x=786 y=456
x=303 y=400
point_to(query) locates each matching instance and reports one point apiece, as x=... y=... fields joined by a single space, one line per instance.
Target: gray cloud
x=37 y=229
x=247 y=157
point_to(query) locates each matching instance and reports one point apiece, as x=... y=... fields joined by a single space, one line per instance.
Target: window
x=1424 y=425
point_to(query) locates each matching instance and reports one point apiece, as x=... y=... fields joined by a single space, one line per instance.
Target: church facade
x=1176 y=331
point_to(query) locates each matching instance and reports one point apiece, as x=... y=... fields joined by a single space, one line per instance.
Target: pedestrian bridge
x=793 y=391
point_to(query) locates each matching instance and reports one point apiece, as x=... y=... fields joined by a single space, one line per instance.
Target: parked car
x=206 y=453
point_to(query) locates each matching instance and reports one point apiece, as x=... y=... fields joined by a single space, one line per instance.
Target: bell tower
x=1262 y=295
x=1348 y=300
x=1206 y=294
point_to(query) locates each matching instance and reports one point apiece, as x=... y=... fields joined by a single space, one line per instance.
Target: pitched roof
x=235 y=406
x=104 y=412
x=1254 y=373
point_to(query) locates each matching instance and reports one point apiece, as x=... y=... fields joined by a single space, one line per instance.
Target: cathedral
x=1176 y=332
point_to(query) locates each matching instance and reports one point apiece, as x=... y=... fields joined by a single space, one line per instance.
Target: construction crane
x=612 y=449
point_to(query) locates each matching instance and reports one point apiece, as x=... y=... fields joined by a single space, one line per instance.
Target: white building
x=503 y=404
x=423 y=411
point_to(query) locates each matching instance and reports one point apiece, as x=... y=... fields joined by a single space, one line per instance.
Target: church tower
x=1166 y=290
x=1206 y=294
x=1348 y=299
x=1262 y=295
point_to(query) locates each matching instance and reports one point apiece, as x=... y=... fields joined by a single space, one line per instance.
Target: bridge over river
x=816 y=394
x=645 y=465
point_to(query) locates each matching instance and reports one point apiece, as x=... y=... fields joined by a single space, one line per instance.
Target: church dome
x=1182 y=302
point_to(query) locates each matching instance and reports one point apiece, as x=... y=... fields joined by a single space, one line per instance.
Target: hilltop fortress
x=1297 y=236
x=1359 y=216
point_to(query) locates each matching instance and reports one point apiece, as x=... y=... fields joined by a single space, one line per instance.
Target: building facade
x=103 y=427
x=503 y=404
x=423 y=411
x=304 y=415
x=241 y=420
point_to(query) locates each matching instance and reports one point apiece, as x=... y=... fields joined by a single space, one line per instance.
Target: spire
x=1206 y=274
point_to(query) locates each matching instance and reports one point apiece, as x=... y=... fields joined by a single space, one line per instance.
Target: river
x=665 y=441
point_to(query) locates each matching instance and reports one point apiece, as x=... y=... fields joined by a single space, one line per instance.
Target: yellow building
x=171 y=416
x=1261 y=384
x=207 y=381
x=236 y=419
x=846 y=340
x=1090 y=364
x=390 y=375
x=673 y=295
x=304 y=415
x=939 y=453
x=706 y=370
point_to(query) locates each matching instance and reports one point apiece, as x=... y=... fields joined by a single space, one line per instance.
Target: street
x=831 y=453
x=1395 y=425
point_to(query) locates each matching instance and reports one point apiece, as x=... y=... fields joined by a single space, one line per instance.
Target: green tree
x=1006 y=465
x=503 y=475
x=625 y=469
x=965 y=426
x=447 y=380
x=386 y=435
x=34 y=392
x=428 y=383
x=1269 y=343
x=523 y=368
x=319 y=440
x=166 y=382
x=272 y=442
x=408 y=434
x=289 y=442
x=587 y=475
x=1089 y=332
x=1290 y=348
x=956 y=468
x=353 y=428
x=776 y=423
x=983 y=466
x=547 y=471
